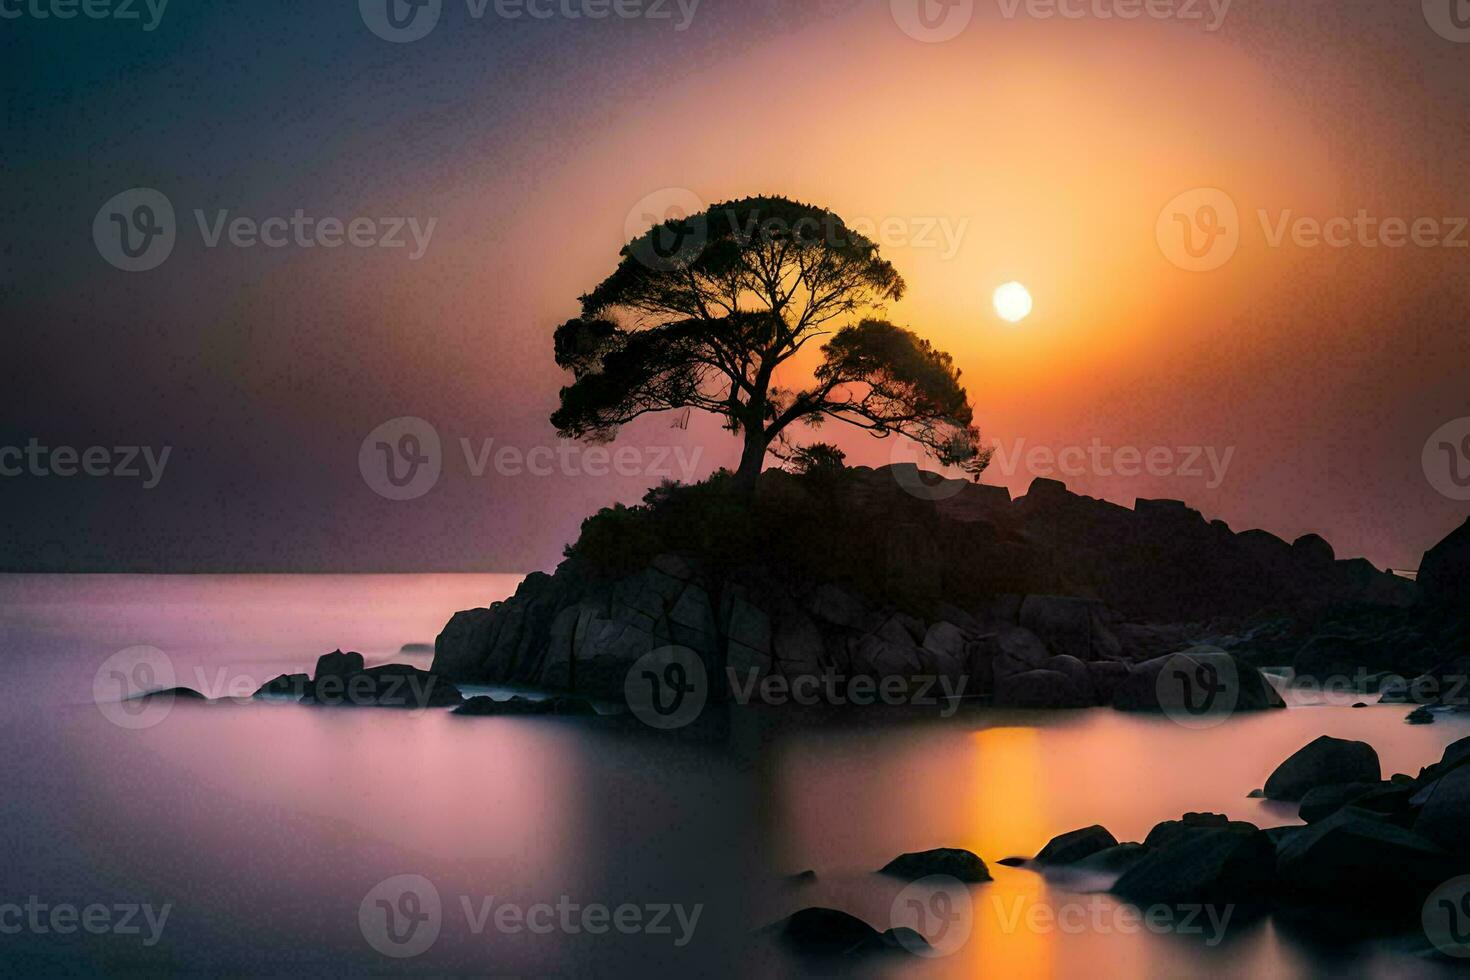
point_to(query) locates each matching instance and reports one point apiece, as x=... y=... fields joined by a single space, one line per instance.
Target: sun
x=1013 y=302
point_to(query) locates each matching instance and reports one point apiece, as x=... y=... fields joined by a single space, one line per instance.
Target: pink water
x=265 y=825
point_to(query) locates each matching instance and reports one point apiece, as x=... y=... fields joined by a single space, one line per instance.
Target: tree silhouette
x=703 y=310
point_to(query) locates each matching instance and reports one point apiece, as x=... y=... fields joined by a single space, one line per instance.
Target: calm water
x=264 y=826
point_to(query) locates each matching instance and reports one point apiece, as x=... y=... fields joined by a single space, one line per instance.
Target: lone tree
x=702 y=312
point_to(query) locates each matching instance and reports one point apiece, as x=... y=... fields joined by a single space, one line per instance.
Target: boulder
x=1076 y=845
x=1046 y=689
x=1445 y=816
x=1326 y=761
x=1212 y=866
x=1106 y=676
x=952 y=861
x=1077 y=673
x=1242 y=687
x=1014 y=650
x=1191 y=825
x=1354 y=858
x=1322 y=802
x=946 y=639
x=1113 y=860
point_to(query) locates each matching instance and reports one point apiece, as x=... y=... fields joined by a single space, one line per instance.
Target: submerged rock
x=387 y=686
x=820 y=931
x=1327 y=761
x=955 y=862
x=487 y=706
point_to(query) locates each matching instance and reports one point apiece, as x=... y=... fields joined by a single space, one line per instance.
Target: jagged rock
x=1326 y=761
x=1077 y=673
x=1076 y=845
x=1420 y=716
x=955 y=862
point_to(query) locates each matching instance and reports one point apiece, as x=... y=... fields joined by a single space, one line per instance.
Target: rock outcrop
x=1052 y=600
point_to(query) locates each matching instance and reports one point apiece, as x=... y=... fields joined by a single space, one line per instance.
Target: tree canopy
x=702 y=311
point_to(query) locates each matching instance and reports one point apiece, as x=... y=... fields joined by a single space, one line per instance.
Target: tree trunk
x=751 y=461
